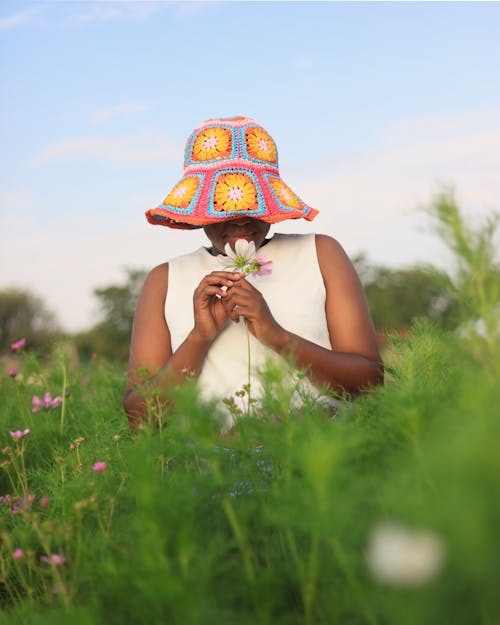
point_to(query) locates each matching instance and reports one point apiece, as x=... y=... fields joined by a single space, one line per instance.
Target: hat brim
x=203 y=198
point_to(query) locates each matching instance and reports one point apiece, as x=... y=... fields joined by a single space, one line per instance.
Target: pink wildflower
x=99 y=467
x=45 y=403
x=18 y=345
x=44 y=502
x=12 y=372
x=55 y=559
x=265 y=265
x=19 y=434
x=18 y=554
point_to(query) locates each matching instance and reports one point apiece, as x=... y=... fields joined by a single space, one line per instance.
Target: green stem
x=244 y=548
x=249 y=368
x=63 y=395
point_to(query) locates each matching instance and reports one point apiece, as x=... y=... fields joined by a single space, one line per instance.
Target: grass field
x=387 y=514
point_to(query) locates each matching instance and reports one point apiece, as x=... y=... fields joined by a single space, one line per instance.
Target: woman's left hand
x=244 y=300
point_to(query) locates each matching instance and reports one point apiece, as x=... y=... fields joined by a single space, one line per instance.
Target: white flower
x=402 y=557
x=244 y=259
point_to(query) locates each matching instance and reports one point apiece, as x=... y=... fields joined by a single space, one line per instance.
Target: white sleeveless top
x=294 y=292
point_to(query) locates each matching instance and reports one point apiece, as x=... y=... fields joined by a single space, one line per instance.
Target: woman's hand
x=244 y=300
x=210 y=314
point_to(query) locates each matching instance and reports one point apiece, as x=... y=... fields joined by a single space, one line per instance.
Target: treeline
x=395 y=296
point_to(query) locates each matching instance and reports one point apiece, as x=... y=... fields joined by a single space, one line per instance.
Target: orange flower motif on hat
x=235 y=191
x=285 y=195
x=182 y=194
x=212 y=143
x=260 y=145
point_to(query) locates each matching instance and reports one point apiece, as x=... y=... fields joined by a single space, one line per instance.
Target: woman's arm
x=354 y=362
x=152 y=364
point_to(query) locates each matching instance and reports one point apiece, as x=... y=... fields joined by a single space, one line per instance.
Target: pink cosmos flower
x=18 y=554
x=12 y=372
x=19 y=434
x=55 y=559
x=265 y=265
x=99 y=467
x=18 y=345
x=57 y=401
x=45 y=403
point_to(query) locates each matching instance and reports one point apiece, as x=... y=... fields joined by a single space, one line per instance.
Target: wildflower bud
x=55 y=559
x=72 y=446
x=12 y=372
x=18 y=554
x=18 y=345
x=116 y=437
x=44 y=502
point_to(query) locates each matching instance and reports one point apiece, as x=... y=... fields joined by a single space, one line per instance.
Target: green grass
x=277 y=523
x=270 y=525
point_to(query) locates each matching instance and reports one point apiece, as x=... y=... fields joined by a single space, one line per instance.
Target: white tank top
x=294 y=292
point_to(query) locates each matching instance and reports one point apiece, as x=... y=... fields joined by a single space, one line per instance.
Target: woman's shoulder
x=326 y=241
x=157 y=279
x=333 y=260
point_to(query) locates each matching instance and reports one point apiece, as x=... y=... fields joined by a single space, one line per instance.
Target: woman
x=193 y=315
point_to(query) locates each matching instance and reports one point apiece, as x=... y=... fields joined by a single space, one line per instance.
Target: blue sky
x=372 y=105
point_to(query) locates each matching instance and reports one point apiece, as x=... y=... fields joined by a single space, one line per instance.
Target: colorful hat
x=230 y=170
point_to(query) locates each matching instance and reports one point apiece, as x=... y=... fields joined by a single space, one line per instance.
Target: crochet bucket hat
x=230 y=170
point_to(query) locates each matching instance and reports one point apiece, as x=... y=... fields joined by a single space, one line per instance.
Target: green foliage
x=387 y=514
x=474 y=280
x=110 y=337
x=23 y=315
x=396 y=297
x=269 y=524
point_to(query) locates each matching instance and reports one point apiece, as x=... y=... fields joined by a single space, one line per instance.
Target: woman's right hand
x=210 y=316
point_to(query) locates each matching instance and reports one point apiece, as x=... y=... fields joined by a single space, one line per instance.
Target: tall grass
x=386 y=514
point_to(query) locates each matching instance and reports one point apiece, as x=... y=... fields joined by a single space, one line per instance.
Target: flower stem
x=63 y=394
x=249 y=367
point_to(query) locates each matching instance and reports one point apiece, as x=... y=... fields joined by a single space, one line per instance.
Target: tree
x=397 y=296
x=23 y=314
x=110 y=337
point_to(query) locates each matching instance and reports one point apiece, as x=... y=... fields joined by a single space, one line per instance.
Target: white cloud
x=105 y=11
x=16 y=20
x=121 y=109
x=370 y=199
x=140 y=149
x=138 y=10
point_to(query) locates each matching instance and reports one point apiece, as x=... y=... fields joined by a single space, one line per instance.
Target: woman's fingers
x=216 y=283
